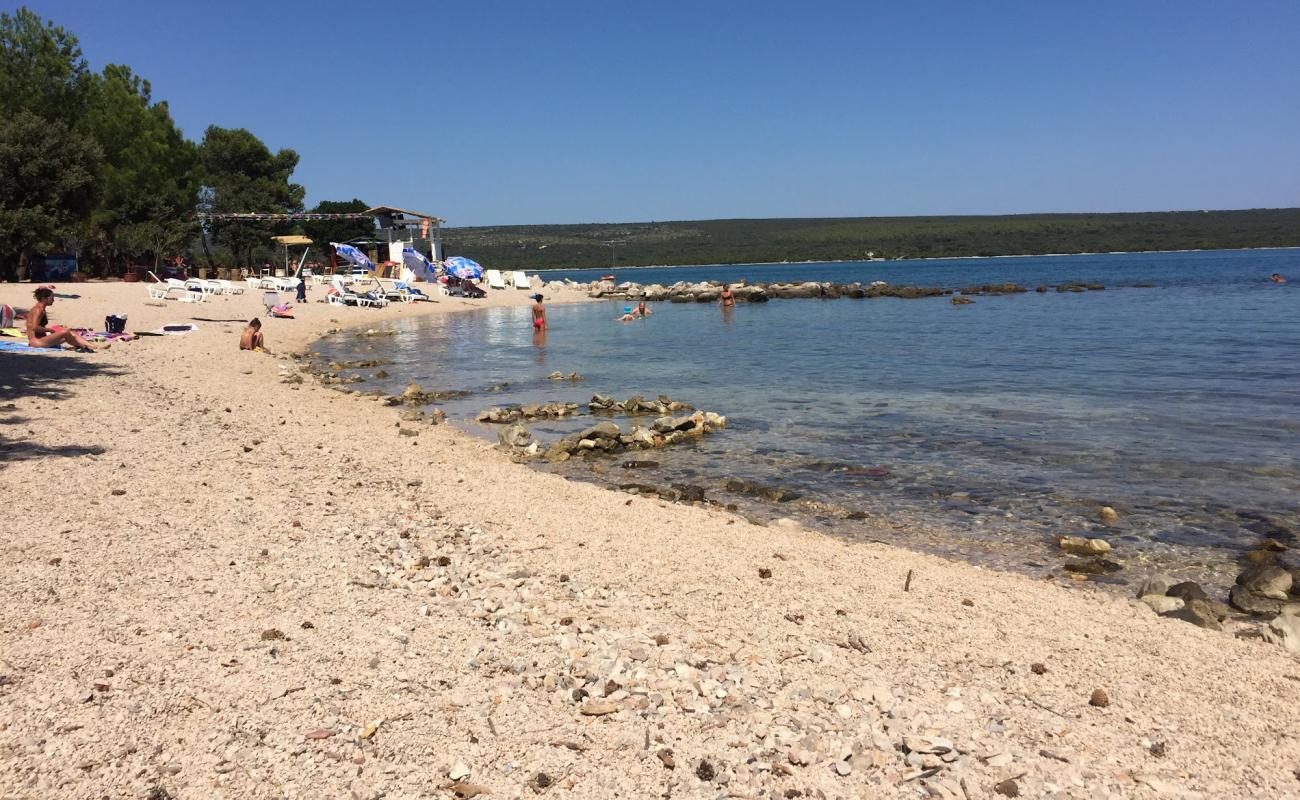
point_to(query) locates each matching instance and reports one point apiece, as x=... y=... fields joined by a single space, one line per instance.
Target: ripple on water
x=997 y=428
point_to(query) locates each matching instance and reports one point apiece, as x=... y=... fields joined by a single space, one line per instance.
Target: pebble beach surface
x=223 y=580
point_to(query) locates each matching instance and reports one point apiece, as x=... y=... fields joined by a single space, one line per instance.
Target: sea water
x=983 y=430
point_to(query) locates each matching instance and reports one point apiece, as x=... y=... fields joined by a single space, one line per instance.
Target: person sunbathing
x=39 y=334
x=252 y=338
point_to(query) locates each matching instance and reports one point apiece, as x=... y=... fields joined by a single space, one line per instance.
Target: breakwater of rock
x=711 y=291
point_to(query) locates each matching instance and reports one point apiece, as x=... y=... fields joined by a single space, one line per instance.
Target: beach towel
x=9 y=346
x=17 y=332
x=282 y=311
x=179 y=329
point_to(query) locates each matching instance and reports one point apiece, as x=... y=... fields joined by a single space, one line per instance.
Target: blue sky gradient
x=526 y=112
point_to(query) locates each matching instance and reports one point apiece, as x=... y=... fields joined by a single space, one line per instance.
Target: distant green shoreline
x=763 y=241
x=622 y=267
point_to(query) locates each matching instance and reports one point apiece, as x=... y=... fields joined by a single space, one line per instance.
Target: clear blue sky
x=528 y=112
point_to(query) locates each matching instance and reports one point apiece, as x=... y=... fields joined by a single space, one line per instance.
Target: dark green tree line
x=90 y=161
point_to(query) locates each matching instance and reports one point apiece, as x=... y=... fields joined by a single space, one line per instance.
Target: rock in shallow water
x=1188 y=590
x=1267 y=580
x=1254 y=603
x=1083 y=546
x=1157 y=584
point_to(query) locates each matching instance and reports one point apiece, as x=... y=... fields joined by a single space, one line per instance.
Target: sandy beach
x=222 y=579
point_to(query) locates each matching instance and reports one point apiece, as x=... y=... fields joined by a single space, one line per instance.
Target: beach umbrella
x=418 y=264
x=462 y=267
x=354 y=255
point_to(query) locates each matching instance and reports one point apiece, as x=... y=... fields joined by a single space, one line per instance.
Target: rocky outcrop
x=994 y=288
x=708 y=291
x=504 y=415
x=637 y=405
x=607 y=437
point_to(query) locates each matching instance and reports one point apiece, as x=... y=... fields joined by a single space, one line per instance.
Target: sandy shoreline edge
x=229 y=585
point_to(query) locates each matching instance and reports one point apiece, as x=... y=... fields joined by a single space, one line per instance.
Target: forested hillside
x=734 y=241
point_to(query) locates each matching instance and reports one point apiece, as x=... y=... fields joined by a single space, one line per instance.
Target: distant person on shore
x=40 y=335
x=727 y=299
x=539 y=314
x=1277 y=278
x=302 y=289
x=252 y=338
x=641 y=310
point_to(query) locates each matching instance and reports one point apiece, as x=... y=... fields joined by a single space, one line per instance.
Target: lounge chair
x=162 y=290
x=409 y=293
x=520 y=280
x=228 y=287
x=495 y=279
x=343 y=296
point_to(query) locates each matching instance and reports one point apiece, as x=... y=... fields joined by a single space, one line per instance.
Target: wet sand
x=223 y=582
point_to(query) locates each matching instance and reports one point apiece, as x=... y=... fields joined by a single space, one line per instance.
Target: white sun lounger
x=495 y=279
x=161 y=290
x=520 y=280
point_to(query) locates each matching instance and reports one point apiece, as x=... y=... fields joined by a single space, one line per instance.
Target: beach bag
x=115 y=323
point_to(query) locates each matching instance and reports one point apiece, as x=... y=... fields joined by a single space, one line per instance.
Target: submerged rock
x=776 y=494
x=1188 y=590
x=1092 y=566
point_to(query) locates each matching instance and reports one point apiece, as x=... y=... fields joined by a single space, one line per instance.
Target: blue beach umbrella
x=354 y=255
x=462 y=267
x=417 y=263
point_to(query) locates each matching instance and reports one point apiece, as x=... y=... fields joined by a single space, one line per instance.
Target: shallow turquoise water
x=1001 y=423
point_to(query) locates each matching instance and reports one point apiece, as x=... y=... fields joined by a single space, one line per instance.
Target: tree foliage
x=240 y=174
x=150 y=179
x=325 y=231
x=48 y=170
x=47 y=183
x=745 y=241
x=41 y=69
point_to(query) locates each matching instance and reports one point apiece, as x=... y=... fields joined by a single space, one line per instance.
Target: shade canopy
x=462 y=267
x=291 y=241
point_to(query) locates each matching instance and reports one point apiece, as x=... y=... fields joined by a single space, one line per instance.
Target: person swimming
x=628 y=315
x=1276 y=278
x=641 y=309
